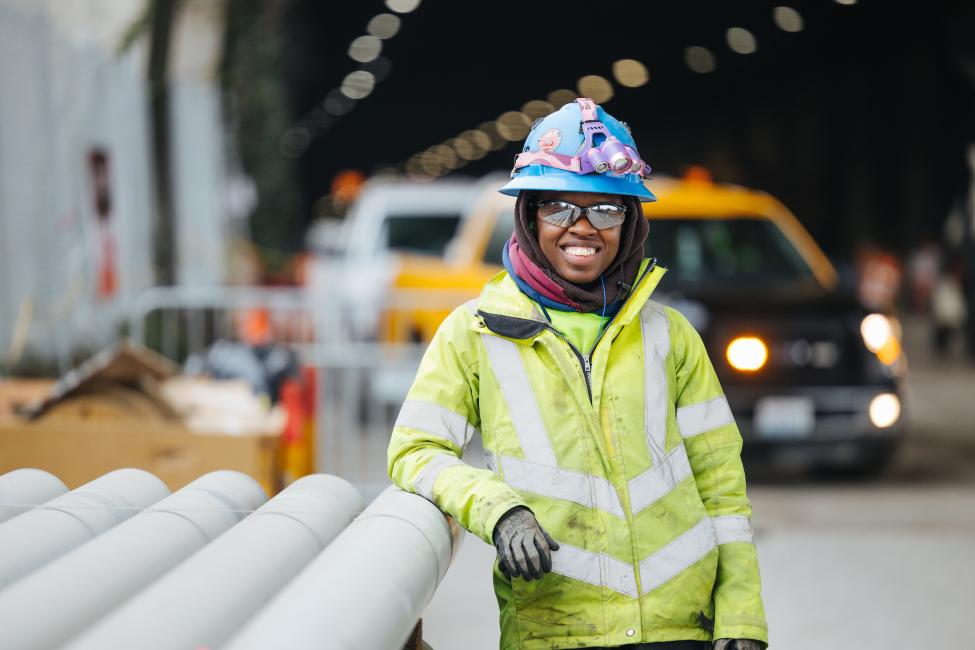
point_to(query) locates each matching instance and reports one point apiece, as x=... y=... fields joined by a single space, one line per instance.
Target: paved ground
x=845 y=566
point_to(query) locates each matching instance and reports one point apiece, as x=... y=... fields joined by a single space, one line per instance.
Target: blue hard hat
x=580 y=148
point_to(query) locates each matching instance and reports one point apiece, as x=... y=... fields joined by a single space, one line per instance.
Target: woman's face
x=579 y=253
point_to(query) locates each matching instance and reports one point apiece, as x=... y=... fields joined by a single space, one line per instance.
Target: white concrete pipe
x=207 y=598
x=23 y=489
x=368 y=588
x=33 y=539
x=56 y=602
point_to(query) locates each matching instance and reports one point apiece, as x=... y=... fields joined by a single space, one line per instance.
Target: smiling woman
x=565 y=367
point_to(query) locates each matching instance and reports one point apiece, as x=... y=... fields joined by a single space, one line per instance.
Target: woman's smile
x=580 y=252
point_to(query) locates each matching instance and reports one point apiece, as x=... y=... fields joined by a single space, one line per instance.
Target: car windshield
x=503 y=226
x=419 y=233
x=714 y=252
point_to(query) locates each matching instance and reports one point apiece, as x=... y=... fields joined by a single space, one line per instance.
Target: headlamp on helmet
x=610 y=155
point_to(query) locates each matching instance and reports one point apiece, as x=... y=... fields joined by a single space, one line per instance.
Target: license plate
x=784 y=417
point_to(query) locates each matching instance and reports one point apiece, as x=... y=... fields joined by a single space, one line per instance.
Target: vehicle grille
x=802 y=352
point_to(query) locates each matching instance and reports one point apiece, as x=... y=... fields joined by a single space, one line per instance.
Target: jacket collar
x=506 y=311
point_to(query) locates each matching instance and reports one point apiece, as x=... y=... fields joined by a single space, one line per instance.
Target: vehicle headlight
x=747 y=353
x=885 y=410
x=878 y=335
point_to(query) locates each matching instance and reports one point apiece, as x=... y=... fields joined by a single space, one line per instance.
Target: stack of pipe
x=367 y=590
x=55 y=602
x=35 y=538
x=203 y=601
x=23 y=489
x=117 y=563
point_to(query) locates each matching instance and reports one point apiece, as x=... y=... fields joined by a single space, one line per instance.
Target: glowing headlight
x=876 y=331
x=885 y=410
x=878 y=335
x=747 y=353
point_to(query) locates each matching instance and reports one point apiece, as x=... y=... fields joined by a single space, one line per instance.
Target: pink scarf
x=536 y=278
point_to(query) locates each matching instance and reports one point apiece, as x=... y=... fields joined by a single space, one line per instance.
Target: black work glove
x=524 y=548
x=738 y=644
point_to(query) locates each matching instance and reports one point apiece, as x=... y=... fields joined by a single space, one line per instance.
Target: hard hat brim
x=569 y=182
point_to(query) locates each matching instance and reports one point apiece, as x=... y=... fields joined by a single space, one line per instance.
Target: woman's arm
x=437 y=421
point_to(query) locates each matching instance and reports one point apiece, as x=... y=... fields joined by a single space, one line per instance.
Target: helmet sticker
x=550 y=140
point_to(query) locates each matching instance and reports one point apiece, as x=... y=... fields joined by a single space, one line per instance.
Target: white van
x=359 y=262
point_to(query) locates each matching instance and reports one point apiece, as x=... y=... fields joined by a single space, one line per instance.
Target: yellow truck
x=474 y=256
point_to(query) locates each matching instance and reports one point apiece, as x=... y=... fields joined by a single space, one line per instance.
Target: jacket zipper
x=585 y=360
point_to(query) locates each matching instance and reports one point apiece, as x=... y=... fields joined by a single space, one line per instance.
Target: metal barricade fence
x=360 y=382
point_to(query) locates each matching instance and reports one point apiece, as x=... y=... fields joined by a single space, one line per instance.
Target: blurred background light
x=787 y=19
x=747 y=353
x=490 y=129
x=447 y=156
x=358 y=84
x=885 y=410
x=741 y=40
x=880 y=337
x=295 y=141
x=402 y=6
x=846 y=2
x=321 y=118
x=876 y=331
x=336 y=103
x=700 y=59
x=365 y=48
x=537 y=108
x=597 y=88
x=379 y=68
x=513 y=125
x=430 y=163
x=561 y=97
x=413 y=167
x=630 y=73
x=383 y=26
x=463 y=148
x=479 y=141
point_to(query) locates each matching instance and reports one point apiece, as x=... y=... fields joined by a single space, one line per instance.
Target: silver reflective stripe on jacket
x=584 y=489
x=699 y=418
x=733 y=528
x=656 y=344
x=527 y=419
x=655 y=570
x=436 y=420
x=666 y=563
x=658 y=481
x=595 y=568
x=425 y=480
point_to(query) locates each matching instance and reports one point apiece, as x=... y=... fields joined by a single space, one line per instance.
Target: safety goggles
x=563 y=214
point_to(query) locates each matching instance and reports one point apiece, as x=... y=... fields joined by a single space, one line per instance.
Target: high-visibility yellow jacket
x=628 y=455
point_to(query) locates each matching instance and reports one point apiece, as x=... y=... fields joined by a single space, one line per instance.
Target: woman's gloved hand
x=738 y=644
x=524 y=548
